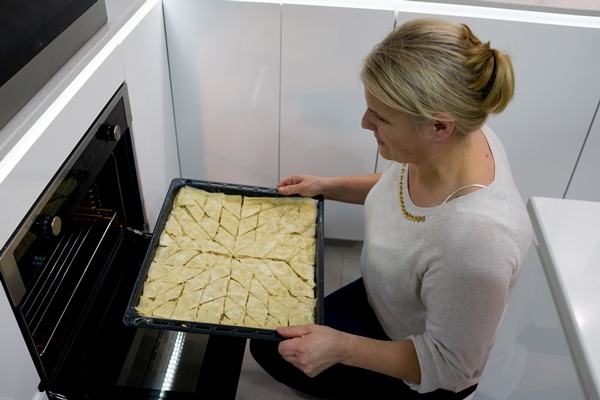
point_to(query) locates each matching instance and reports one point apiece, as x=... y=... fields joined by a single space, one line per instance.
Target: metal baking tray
x=132 y=318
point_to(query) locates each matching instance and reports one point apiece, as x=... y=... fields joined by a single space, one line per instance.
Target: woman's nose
x=365 y=123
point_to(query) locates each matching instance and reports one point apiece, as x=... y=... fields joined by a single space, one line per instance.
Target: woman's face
x=394 y=131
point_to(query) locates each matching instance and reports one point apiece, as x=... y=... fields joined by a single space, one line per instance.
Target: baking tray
x=133 y=319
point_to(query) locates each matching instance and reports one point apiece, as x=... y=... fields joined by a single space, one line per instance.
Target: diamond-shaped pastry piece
x=188 y=301
x=186 y=242
x=196 y=212
x=181 y=257
x=166 y=240
x=213 y=205
x=259 y=291
x=241 y=274
x=172 y=226
x=155 y=288
x=215 y=289
x=279 y=268
x=243 y=241
x=211 y=311
x=251 y=206
x=271 y=215
x=183 y=198
x=234 y=311
x=165 y=310
x=198 y=282
x=304 y=271
x=225 y=239
x=181 y=274
x=256 y=310
x=284 y=253
x=221 y=269
x=233 y=204
x=258 y=267
x=171 y=294
x=300 y=316
x=163 y=252
x=209 y=225
x=278 y=311
x=247 y=224
x=145 y=306
x=237 y=292
x=297 y=286
x=157 y=270
x=198 y=195
x=275 y=286
x=229 y=222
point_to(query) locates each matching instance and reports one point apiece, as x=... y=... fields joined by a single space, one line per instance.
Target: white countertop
x=568 y=235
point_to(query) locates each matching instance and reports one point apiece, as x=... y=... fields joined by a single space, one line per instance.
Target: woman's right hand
x=303 y=185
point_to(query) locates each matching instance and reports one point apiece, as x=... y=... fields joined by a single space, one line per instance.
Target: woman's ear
x=443 y=126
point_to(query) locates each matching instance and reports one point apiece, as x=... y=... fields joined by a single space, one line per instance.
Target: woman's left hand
x=312 y=348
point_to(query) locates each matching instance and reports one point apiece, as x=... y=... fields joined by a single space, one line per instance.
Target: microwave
x=37 y=38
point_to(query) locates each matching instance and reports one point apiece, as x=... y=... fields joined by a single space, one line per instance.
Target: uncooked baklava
x=234 y=260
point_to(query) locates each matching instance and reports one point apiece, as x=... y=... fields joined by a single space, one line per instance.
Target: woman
x=446 y=231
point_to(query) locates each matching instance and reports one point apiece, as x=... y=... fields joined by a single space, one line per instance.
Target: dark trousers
x=346 y=310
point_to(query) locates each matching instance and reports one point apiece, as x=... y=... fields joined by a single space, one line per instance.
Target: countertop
x=568 y=238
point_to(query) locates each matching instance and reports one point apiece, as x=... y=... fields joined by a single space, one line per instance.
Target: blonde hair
x=428 y=66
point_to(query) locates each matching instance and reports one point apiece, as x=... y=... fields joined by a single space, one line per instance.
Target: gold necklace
x=421 y=218
x=407 y=215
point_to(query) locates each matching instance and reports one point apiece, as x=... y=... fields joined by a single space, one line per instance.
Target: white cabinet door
x=224 y=62
x=322 y=100
x=585 y=183
x=144 y=54
x=557 y=88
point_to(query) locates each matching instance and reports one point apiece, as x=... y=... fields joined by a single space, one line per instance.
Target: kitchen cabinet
x=224 y=61
x=262 y=91
x=146 y=70
x=584 y=183
x=569 y=239
x=322 y=100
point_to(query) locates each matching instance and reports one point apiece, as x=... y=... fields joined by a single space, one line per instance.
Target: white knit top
x=444 y=283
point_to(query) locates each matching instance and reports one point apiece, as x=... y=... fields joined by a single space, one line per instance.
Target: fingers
x=294 y=331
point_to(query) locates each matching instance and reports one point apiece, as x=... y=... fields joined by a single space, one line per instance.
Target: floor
x=342 y=266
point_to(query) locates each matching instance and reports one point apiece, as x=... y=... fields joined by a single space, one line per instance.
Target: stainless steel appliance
x=37 y=37
x=70 y=269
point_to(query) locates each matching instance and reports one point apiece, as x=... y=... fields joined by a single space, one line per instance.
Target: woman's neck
x=468 y=160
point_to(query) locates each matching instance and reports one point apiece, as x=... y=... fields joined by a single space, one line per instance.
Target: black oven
x=70 y=269
x=37 y=37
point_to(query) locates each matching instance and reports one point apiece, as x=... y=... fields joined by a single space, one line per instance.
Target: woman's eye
x=380 y=119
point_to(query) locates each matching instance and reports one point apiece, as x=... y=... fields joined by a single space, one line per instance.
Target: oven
x=69 y=271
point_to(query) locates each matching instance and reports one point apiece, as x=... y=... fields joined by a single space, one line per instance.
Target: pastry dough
x=234 y=260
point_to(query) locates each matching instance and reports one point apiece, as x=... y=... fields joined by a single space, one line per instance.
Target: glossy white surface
x=322 y=100
x=146 y=69
x=584 y=183
x=18 y=376
x=568 y=233
x=530 y=359
x=224 y=60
